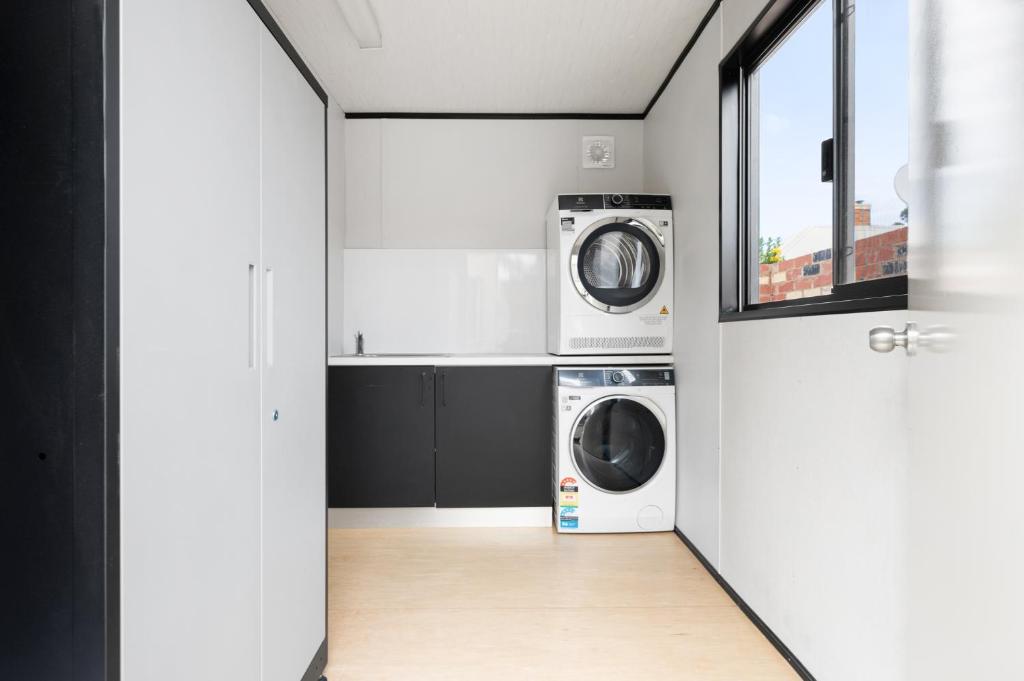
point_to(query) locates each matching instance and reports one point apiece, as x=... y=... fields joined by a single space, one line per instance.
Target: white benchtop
x=497 y=360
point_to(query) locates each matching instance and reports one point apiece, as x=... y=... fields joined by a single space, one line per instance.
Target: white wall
x=335 y=226
x=473 y=183
x=814 y=451
x=791 y=436
x=448 y=186
x=681 y=159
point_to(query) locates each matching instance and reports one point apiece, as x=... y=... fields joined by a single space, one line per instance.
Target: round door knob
x=887 y=339
x=882 y=339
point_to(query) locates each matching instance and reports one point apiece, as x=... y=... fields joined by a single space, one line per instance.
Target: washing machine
x=609 y=267
x=614 y=464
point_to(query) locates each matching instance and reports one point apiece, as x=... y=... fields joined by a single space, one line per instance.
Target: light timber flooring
x=528 y=603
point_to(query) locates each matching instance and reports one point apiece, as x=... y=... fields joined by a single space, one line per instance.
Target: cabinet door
x=189 y=438
x=380 y=437
x=293 y=505
x=494 y=436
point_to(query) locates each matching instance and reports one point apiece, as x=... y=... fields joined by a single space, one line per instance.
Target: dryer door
x=617 y=263
x=618 y=443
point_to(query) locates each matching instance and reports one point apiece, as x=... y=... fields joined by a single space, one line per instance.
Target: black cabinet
x=494 y=436
x=489 y=426
x=380 y=436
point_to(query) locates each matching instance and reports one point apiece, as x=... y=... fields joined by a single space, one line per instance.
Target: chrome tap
x=359 y=342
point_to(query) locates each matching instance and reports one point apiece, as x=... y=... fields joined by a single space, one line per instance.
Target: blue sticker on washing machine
x=568 y=517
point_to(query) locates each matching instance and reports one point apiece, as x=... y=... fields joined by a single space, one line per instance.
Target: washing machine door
x=618 y=443
x=617 y=263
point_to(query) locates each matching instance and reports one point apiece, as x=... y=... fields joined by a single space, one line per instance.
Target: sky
x=796 y=115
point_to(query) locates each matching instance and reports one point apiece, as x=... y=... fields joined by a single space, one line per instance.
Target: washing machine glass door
x=617 y=264
x=618 y=444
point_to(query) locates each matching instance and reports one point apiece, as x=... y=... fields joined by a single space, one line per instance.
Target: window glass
x=788 y=154
x=880 y=137
x=789 y=207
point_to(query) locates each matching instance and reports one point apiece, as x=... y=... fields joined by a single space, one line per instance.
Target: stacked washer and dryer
x=609 y=263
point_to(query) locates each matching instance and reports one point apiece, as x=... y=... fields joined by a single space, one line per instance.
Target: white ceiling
x=495 y=56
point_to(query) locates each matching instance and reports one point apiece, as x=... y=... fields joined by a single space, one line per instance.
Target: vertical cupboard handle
x=269 y=322
x=423 y=385
x=252 y=315
x=444 y=387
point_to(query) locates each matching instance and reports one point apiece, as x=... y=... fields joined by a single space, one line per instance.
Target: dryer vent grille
x=616 y=342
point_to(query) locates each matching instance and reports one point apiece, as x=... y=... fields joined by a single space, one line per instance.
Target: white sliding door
x=293 y=503
x=189 y=182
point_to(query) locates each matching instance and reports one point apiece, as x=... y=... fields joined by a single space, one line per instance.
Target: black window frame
x=738 y=242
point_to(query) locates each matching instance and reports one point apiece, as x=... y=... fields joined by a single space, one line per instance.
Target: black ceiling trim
x=268 y=20
x=498 y=116
x=682 y=55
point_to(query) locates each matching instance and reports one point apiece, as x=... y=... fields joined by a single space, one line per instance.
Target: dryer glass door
x=618 y=444
x=617 y=265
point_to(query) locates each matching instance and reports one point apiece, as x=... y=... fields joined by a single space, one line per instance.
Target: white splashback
x=445 y=300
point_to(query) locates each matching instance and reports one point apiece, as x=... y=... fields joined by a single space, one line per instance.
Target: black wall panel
x=55 y=476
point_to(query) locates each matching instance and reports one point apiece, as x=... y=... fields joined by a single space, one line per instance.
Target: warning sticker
x=664 y=309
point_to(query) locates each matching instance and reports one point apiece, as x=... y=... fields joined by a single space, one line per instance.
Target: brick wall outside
x=811 y=275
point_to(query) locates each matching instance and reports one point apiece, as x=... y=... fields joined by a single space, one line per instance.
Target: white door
x=292 y=471
x=966 y=467
x=189 y=432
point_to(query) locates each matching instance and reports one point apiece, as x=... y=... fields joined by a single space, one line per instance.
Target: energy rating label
x=568 y=504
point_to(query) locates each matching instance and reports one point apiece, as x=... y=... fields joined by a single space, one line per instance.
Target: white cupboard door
x=293 y=477
x=189 y=183
x=966 y=466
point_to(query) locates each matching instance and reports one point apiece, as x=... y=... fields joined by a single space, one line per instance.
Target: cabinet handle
x=269 y=331
x=253 y=313
x=444 y=387
x=423 y=385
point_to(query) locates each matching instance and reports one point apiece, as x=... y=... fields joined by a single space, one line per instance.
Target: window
x=814 y=150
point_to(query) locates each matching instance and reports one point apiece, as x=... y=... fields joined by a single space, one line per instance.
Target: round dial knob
x=616 y=199
x=616 y=377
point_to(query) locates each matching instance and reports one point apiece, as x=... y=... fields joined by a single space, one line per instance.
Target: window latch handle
x=827 y=160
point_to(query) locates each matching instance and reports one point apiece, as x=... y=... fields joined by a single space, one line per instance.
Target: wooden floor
x=524 y=604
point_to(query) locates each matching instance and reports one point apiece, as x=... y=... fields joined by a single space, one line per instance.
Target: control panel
x=585 y=202
x=610 y=377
